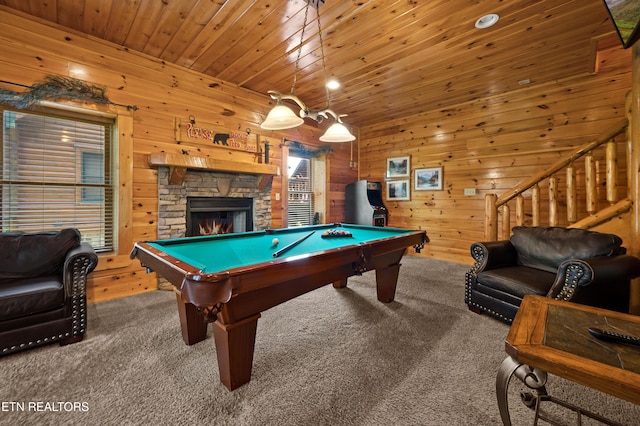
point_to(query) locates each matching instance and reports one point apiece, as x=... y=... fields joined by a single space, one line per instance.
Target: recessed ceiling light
x=487 y=20
x=333 y=84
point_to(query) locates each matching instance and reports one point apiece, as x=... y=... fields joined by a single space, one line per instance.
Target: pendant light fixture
x=282 y=117
x=337 y=132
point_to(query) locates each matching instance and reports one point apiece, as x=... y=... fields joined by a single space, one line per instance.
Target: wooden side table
x=550 y=336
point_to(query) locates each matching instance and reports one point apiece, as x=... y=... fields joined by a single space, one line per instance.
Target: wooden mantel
x=179 y=164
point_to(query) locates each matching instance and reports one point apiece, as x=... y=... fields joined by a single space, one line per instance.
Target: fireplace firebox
x=218 y=215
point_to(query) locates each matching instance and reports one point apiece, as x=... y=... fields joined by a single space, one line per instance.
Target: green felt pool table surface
x=217 y=253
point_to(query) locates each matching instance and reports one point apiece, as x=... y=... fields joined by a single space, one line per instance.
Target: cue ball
x=275 y=241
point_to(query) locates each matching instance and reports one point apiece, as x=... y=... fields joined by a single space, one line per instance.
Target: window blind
x=57 y=173
x=300 y=209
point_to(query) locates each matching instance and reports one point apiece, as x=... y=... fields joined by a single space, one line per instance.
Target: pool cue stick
x=292 y=245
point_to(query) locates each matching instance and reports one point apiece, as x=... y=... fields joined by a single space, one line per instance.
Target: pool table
x=230 y=279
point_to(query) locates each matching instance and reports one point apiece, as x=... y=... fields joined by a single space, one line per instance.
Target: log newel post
x=506 y=221
x=535 y=205
x=491 y=219
x=520 y=210
x=572 y=209
x=612 y=172
x=590 y=183
x=553 y=200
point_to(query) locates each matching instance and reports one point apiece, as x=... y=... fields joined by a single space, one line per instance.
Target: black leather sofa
x=43 y=278
x=575 y=265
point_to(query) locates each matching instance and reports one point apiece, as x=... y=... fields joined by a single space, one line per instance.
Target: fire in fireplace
x=218 y=215
x=212 y=226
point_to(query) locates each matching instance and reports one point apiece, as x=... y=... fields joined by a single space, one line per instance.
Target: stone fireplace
x=205 y=194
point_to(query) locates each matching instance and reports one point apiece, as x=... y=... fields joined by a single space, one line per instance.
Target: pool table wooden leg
x=386 y=282
x=234 y=348
x=192 y=323
x=340 y=283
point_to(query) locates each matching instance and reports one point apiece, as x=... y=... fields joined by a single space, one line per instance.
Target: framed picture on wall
x=398 y=190
x=428 y=179
x=398 y=167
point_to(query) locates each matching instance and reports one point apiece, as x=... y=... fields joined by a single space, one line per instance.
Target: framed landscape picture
x=428 y=179
x=398 y=167
x=398 y=190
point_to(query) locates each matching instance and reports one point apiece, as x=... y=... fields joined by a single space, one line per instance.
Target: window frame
x=301 y=193
x=122 y=168
x=318 y=181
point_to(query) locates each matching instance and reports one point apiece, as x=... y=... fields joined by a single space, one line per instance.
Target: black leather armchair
x=576 y=265
x=43 y=278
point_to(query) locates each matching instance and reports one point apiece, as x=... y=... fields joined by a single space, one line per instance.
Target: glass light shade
x=281 y=117
x=337 y=133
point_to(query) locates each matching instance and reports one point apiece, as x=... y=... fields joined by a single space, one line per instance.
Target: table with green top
x=230 y=279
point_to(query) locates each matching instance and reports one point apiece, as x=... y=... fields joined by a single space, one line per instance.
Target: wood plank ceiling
x=393 y=58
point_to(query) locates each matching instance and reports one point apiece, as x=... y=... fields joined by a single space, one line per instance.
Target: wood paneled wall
x=491 y=145
x=162 y=92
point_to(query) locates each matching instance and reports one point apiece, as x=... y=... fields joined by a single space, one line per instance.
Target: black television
x=625 y=15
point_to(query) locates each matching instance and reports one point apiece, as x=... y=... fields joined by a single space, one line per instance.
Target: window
x=300 y=209
x=56 y=171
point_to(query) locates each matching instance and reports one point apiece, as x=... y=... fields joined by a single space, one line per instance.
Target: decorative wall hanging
x=209 y=133
x=53 y=88
x=297 y=149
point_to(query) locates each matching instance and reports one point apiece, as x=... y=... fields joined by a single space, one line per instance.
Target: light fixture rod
x=282 y=117
x=324 y=64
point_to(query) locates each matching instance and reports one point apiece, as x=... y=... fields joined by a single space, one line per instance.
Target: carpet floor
x=329 y=357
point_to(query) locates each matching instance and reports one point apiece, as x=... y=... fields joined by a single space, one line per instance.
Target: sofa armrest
x=79 y=262
x=575 y=275
x=492 y=254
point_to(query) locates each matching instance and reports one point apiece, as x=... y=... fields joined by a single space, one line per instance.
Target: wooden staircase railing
x=495 y=204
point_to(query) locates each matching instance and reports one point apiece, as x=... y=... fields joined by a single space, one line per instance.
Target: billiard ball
x=275 y=241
